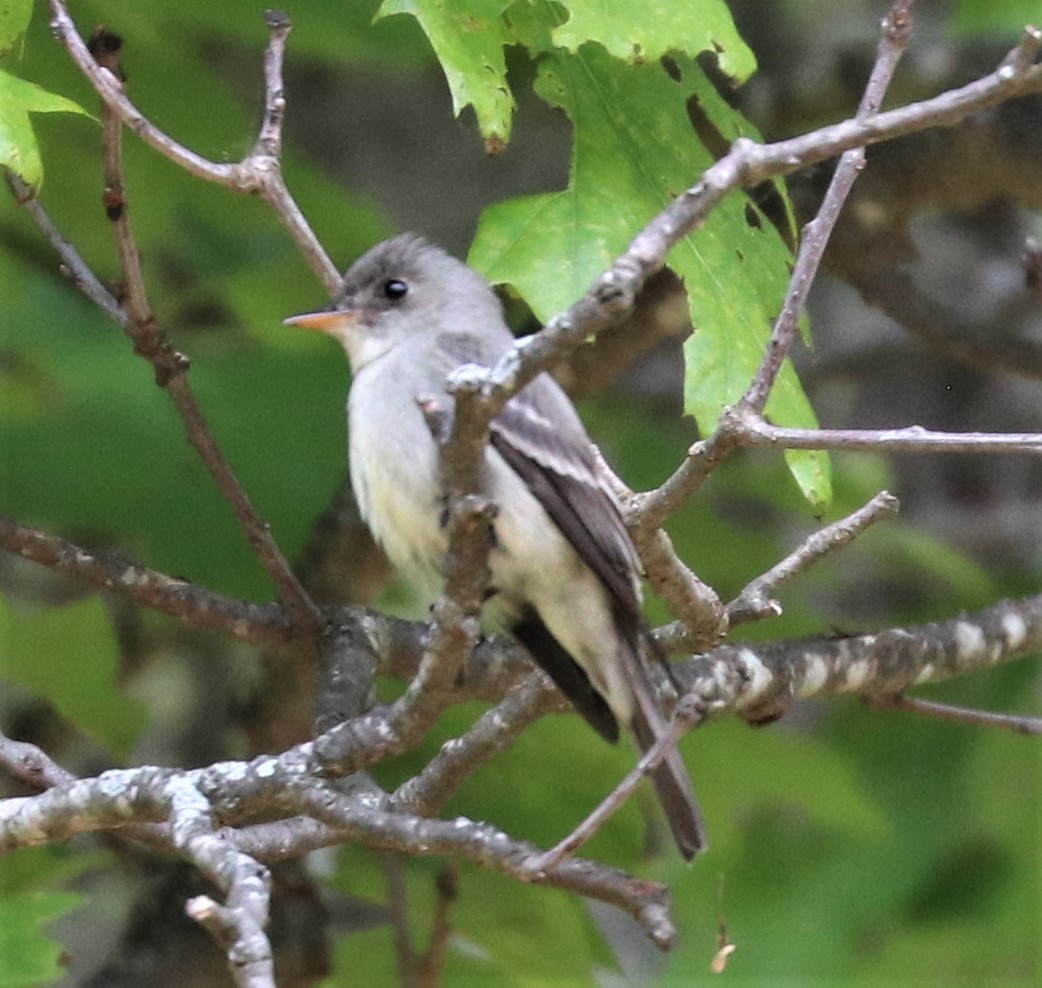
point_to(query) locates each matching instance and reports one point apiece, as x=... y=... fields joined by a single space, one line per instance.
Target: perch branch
x=259 y=173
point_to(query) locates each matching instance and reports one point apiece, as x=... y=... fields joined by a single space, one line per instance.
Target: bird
x=564 y=573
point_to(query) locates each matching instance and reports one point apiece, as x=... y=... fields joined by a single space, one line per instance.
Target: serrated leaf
x=661 y=26
x=635 y=151
x=468 y=37
x=14 y=19
x=28 y=957
x=68 y=656
x=18 y=148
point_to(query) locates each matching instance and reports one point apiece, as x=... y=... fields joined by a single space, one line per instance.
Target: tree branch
x=896 y=33
x=259 y=173
x=755 y=601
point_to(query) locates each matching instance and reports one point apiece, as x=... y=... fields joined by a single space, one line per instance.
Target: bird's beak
x=326 y=322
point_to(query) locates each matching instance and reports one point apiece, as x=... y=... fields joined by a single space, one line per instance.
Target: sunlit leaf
x=468 y=37
x=18 y=147
x=663 y=26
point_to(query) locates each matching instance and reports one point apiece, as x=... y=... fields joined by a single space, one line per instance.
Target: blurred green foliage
x=848 y=847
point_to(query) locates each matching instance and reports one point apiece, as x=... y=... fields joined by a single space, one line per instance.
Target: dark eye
x=395 y=289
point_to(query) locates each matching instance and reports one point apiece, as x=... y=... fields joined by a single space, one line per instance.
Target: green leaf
x=635 y=151
x=662 y=26
x=18 y=148
x=468 y=37
x=28 y=957
x=14 y=19
x=68 y=656
x=31 y=897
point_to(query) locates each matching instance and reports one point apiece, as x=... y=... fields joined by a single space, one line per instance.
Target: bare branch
x=755 y=599
x=134 y=315
x=691 y=601
x=759 y=681
x=1010 y=630
x=746 y=165
x=263 y=625
x=73 y=266
x=398 y=906
x=494 y=732
x=688 y=713
x=30 y=765
x=490 y=848
x=960 y=715
x=238 y=925
x=750 y=431
x=433 y=959
x=897 y=32
x=259 y=173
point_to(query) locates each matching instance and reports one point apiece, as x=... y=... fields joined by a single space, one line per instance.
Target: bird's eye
x=395 y=289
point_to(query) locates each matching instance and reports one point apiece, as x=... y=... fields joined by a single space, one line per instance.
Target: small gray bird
x=564 y=573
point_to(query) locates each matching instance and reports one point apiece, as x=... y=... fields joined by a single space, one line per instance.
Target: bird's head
x=399 y=289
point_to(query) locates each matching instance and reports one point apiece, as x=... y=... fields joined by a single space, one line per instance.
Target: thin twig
x=263 y=625
x=961 y=715
x=138 y=322
x=753 y=432
x=741 y=427
x=896 y=33
x=687 y=714
x=433 y=959
x=259 y=173
x=73 y=266
x=495 y=731
x=755 y=601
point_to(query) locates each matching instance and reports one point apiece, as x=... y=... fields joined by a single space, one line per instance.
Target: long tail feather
x=671 y=779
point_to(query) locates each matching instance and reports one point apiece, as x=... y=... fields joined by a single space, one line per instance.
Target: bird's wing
x=540 y=436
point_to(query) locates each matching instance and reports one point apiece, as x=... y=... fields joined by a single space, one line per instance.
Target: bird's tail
x=670 y=776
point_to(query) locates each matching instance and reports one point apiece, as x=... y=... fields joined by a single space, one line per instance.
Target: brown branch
x=688 y=713
x=747 y=164
x=755 y=599
x=960 y=715
x=483 y=845
x=495 y=731
x=171 y=368
x=134 y=314
x=259 y=173
x=263 y=625
x=433 y=960
x=897 y=32
x=751 y=431
x=691 y=601
x=405 y=956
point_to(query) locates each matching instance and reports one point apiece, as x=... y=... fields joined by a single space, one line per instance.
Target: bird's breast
x=394 y=475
